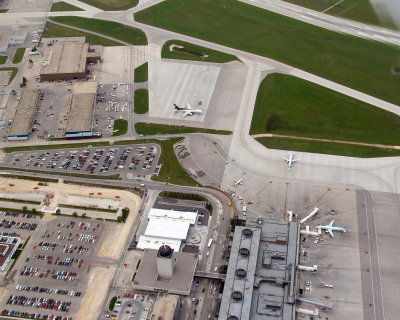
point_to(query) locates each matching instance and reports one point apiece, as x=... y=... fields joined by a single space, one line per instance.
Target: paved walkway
x=375 y=145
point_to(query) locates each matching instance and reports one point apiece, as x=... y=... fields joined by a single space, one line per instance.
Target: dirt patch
x=98 y=284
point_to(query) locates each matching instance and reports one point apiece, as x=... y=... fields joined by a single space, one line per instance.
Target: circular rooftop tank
x=244 y=252
x=241 y=273
x=165 y=251
x=232 y=318
x=237 y=295
x=247 y=232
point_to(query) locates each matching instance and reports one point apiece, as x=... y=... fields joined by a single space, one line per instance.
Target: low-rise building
x=8 y=246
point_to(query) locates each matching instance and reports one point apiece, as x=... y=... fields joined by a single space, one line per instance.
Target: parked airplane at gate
x=290 y=161
x=189 y=111
x=329 y=228
x=240 y=181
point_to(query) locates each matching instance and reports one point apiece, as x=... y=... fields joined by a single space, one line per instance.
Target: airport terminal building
x=261 y=278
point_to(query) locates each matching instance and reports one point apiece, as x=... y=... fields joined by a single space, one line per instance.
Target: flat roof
x=165 y=307
x=4 y=37
x=80 y=116
x=170 y=229
x=12 y=243
x=65 y=55
x=173 y=215
x=181 y=281
x=267 y=281
x=146 y=242
x=24 y=113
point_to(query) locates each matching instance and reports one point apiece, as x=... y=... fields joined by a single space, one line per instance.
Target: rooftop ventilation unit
x=247 y=232
x=244 y=252
x=232 y=318
x=237 y=295
x=240 y=273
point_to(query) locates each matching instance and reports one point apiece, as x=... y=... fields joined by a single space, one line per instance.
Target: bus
x=210 y=243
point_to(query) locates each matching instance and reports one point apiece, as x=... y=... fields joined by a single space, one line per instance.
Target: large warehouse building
x=82 y=110
x=66 y=59
x=166 y=227
x=24 y=115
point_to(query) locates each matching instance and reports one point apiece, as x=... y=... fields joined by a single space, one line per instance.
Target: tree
x=84 y=215
x=58 y=212
x=74 y=214
x=24 y=208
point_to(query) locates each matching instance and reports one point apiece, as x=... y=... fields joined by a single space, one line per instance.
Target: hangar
x=66 y=58
x=82 y=110
x=24 y=114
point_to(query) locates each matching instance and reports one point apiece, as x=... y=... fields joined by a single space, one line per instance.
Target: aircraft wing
x=330 y=232
x=331 y=224
x=287 y=160
x=187 y=113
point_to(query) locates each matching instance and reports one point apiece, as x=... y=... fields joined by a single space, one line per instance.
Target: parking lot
x=137 y=160
x=114 y=101
x=131 y=306
x=51 y=272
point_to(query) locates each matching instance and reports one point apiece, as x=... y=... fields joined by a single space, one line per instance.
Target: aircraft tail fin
x=344 y=229
x=176 y=107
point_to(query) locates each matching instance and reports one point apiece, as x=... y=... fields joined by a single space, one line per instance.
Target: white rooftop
x=170 y=229
x=173 y=215
x=146 y=242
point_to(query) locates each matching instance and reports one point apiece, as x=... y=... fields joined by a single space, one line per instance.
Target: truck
x=210 y=243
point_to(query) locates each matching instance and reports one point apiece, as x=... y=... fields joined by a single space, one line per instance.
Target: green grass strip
x=3 y=59
x=120 y=126
x=14 y=72
x=327 y=148
x=142 y=73
x=112 y=303
x=154 y=128
x=87 y=208
x=194 y=52
x=112 y=5
x=70 y=174
x=141 y=100
x=19 y=54
x=52 y=30
x=358 y=63
x=56 y=146
x=20 y=201
x=291 y=106
x=109 y=28
x=64 y=6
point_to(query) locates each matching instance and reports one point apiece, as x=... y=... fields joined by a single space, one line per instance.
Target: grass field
x=292 y=106
x=13 y=74
x=141 y=100
x=193 y=52
x=3 y=59
x=63 y=6
x=19 y=54
x=358 y=10
x=142 y=73
x=361 y=64
x=327 y=148
x=171 y=170
x=111 y=5
x=148 y=129
x=3 y=10
x=52 y=30
x=109 y=28
x=121 y=125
